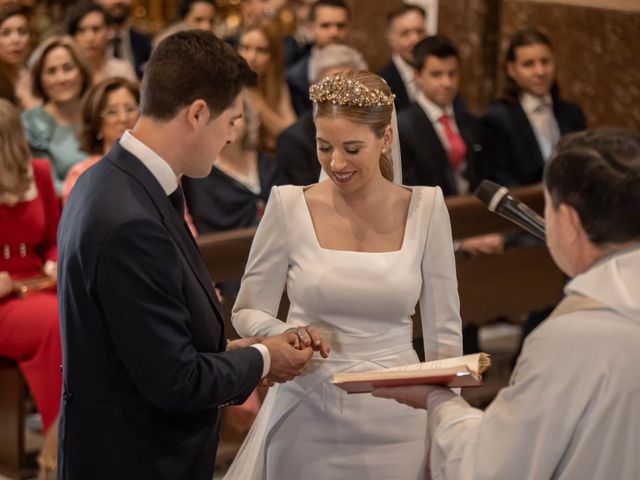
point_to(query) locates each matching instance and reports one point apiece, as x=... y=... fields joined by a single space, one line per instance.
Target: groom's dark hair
x=192 y=65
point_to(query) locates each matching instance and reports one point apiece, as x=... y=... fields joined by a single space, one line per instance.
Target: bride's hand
x=310 y=337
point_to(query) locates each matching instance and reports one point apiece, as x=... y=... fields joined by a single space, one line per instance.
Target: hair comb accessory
x=337 y=90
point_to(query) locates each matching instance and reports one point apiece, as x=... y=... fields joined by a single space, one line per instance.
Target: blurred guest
x=299 y=44
x=126 y=42
x=296 y=147
x=87 y=24
x=192 y=15
x=109 y=109
x=329 y=24
x=572 y=408
x=197 y=14
x=14 y=49
x=29 y=327
x=234 y=194
x=522 y=129
x=60 y=78
x=406 y=26
x=252 y=10
x=269 y=103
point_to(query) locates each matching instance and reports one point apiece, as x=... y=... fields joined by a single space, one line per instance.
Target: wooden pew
x=490 y=286
x=12 y=416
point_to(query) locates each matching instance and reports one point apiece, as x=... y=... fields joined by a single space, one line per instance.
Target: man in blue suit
x=406 y=26
x=144 y=361
x=126 y=42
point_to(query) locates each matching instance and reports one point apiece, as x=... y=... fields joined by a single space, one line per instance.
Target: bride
x=356 y=253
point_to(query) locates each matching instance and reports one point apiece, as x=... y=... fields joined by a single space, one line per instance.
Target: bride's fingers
x=303 y=335
x=319 y=343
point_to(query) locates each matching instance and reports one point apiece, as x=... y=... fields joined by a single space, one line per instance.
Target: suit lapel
x=175 y=225
x=564 y=123
x=398 y=87
x=522 y=125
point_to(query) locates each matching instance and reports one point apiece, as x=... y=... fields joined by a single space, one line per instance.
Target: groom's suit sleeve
x=141 y=281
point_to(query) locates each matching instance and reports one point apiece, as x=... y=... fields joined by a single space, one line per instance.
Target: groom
x=145 y=367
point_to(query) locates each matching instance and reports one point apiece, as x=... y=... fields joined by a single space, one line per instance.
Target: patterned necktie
x=457 y=148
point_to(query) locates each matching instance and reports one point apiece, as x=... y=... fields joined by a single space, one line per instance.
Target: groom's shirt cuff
x=266 y=358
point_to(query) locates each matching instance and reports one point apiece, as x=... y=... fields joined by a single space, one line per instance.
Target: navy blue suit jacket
x=141 y=48
x=511 y=148
x=392 y=76
x=424 y=158
x=142 y=334
x=296 y=152
x=298 y=81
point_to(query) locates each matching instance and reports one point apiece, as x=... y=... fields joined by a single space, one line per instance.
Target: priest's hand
x=413 y=395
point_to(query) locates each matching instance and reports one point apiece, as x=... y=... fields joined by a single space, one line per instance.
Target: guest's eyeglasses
x=113 y=112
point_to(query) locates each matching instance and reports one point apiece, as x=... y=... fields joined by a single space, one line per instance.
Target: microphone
x=498 y=200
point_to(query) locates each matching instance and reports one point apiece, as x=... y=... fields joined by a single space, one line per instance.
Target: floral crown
x=348 y=93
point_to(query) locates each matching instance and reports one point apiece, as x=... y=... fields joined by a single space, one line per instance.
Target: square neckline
x=315 y=235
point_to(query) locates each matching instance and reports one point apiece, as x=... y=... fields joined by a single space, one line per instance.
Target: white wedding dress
x=362 y=303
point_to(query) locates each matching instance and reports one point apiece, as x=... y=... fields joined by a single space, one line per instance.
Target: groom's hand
x=243 y=342
x=287 y=361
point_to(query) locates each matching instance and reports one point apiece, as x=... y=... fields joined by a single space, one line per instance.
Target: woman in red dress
x=29 y=214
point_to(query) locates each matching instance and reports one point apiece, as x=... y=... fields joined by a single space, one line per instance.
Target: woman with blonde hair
x=60 y=77
x=356 y=253
x=260 y=44
x=29 y=326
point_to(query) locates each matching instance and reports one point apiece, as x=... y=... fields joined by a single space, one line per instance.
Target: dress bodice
x=348 y=292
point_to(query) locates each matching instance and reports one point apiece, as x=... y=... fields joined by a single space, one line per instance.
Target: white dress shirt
x=166 y=177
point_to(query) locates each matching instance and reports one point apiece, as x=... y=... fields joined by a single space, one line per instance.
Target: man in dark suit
x=329 y=23
x=144 y=361
x=440 y=142
x=126 y=42
x=406 y=26
x=524 y=126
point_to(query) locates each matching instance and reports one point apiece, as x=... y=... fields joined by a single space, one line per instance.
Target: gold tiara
x=348 y=93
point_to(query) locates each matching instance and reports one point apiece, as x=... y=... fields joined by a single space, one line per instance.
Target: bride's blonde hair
x=360 y=97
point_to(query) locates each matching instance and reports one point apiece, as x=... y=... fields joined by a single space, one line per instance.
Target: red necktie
x=457 y=147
